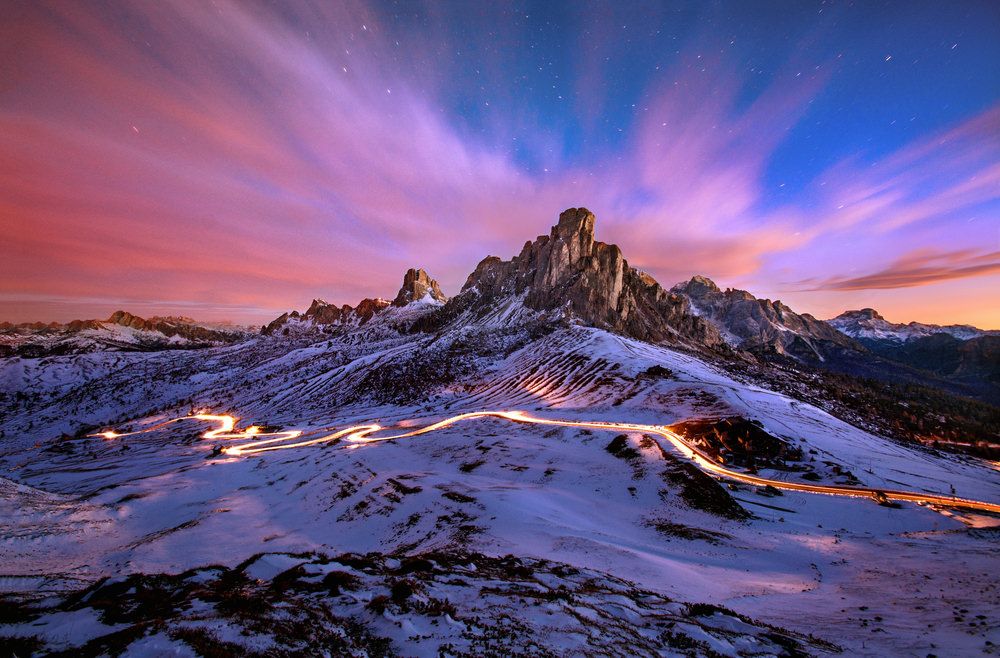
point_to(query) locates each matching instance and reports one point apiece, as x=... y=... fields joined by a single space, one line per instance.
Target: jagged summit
x=760 y=324
x=869 y=313
x=417 y=286
x=698 y=287
x=568 y=275
x=568 y=269
x=869 y=324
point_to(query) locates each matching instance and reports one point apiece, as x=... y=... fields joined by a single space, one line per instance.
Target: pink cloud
x=955 y=171
x=918 y=268
x=250 y=169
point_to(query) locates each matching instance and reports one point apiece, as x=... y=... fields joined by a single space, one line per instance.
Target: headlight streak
x=361 y=434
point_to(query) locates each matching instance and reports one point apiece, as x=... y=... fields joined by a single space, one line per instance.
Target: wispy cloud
x=258 y=155
x=935 y=178
x=918 y=268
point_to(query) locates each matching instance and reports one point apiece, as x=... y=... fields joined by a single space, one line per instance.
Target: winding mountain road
x=361 y=434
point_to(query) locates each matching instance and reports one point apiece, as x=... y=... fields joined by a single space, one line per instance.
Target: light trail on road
x=361 y=434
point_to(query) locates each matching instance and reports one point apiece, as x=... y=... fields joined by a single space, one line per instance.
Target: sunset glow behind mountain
x=232 y=160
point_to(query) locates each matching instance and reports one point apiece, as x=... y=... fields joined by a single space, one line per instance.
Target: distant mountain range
x=120 y=332
x=570 y=277
x=868 y=325
x=463 y=476
x=958 y=352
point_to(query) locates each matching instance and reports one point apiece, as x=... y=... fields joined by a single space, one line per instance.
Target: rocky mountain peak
x=576 y=229
x=417 y=284
x=575 y=221
x=126 y=319
x=589 y=281
x=368 y=307
x=863 y=314
x=871 y=314
x=760 y=324
x=699 y=286
x=321 y=312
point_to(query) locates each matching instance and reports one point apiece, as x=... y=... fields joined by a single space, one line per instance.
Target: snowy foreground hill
x=125 y=530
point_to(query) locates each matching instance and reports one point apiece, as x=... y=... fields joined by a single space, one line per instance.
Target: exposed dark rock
x=321 y=313
x=760 y=324
x=568 y=269
x=416 y=285
x=701 y=491
x=274 y=324
x=739 y=441
x=369 y=307
x=492 y=604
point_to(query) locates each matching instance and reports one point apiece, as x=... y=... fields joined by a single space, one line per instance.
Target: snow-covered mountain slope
x=869 y=324
x=960 y=354
x=458 y=604
x=870 y=577
x=760 y=324
x=121 y=332
x=330 y=484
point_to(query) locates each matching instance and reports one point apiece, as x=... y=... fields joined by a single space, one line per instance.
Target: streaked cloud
x=919 y=268
x=935 y=178
x=254 y=156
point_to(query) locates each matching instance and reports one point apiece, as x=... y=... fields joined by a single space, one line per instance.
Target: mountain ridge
x=121 y=331
x=569 y=277
x=498 y=440
x=869 y=323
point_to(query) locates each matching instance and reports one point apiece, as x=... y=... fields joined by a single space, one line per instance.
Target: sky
x=234 y=160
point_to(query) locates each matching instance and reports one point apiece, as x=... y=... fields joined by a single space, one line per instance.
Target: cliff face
x=592 y=281
x=754 y=324
x=417 y=284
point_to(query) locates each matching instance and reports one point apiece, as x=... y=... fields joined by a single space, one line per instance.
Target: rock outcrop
x=168 y=326
x=760 y=324
x=369 y=307
x=321 y=312
x=417 y=285
x=568 y=269
x=324 y=314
